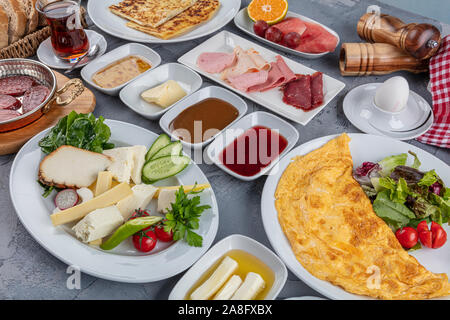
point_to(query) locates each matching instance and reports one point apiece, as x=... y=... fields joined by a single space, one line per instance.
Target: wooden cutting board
x=12 y=141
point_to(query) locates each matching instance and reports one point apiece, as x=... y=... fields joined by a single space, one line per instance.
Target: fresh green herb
x=79 y=130
x=393 y=213
x=416 y=164
x=388 y=164
x=183 y=217
x=428 y=179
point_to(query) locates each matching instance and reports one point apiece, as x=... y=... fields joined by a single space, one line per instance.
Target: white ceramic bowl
x=258 y=118
x=121 y=52
x=205 y=93
x=188 y=79
x=233 y=242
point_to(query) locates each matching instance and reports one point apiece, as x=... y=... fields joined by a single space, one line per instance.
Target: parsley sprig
x=184 y=216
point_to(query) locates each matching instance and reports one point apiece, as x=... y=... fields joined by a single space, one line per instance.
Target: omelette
x=151 y=13
x=201 y=11
x=336 y=236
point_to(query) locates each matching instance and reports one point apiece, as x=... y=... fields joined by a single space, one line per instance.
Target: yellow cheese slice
x=104 y=182
x=96 y=242
x=187 y=189
x=106 y=199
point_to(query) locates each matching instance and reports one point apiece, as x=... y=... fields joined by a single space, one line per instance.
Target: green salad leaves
x=79 y=130
x=183 y=217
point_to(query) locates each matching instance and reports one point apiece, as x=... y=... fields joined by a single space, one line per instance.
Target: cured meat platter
x=271 y=99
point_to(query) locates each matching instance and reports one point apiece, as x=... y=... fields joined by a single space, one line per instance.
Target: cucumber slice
x=174 y=148
x=164 y=167
x=160 y=142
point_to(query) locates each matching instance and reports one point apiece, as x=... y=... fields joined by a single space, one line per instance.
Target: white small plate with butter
x=187 y=79
x=123 y=263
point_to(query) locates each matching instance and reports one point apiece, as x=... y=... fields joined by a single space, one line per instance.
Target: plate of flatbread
x=322 y=225
x=155 y=21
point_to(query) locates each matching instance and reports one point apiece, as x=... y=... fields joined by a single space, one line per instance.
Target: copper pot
x=44 y=76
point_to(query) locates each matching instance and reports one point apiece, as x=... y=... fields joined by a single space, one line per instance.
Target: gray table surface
x=27 y=271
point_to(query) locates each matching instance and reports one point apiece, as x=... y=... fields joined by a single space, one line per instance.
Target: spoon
x=92 y=52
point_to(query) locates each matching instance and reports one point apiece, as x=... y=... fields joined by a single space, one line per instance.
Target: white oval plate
x=188 y=79
x=243 y=22
x=226 y=41
x=116 y=26
x=123 y=263
x=363 y=147
x=359 y=111
x=46 y=55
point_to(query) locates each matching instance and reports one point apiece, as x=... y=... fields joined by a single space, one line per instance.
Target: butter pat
x=98 y=224
x=165 y=94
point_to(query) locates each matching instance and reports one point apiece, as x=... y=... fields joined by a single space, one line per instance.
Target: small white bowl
x=233 y=242
x=121 y=52
x=205 y=93
x=259 y=118
x=188 y=79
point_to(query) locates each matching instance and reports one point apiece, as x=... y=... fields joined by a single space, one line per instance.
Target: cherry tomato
x=144 y=241
x=274 y=34
x=292 y=39
x=422 y=226
x=439 y=235
x=260 y=27
x=163 y=235
x=407 y=237
x=139 y=213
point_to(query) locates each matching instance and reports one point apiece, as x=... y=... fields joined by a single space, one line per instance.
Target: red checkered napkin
x=439 y=133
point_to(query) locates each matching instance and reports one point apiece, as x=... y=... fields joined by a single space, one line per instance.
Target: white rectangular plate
x=272 y=99
x=243 y=22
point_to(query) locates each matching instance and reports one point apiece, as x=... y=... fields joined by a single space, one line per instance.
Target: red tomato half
x=163 y=235
x=439 y=235
x=144 y=241
x=407 y=237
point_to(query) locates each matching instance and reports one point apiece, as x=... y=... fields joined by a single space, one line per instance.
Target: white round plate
x=46 y=55
x=363 y=147
x=359 y=110
x=116 y=26
x=123 y=263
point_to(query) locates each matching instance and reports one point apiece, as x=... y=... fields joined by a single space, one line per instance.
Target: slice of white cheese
x=216 y=280
x=98 y=224
x=229 y=288
x=139 y=160
x=165 y=199
x=252 y=286
x=141 y=197
x=165 y=94
x=123 y=162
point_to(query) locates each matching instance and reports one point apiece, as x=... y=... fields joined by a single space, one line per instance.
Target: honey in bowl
x=120 y=72
x=246 y=263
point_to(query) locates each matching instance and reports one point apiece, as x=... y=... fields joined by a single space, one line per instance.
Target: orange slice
x=271 y=11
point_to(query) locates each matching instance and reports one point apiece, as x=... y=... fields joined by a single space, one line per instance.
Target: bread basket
x=44 y=76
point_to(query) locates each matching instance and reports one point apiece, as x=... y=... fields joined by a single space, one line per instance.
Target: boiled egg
x=392 y=95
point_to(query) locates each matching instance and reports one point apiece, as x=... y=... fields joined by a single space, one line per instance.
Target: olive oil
x=246 y=263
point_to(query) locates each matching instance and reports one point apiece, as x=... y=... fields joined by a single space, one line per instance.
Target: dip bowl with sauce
x=253 y=145
x=199 y=118
x=114 y=70
x=249 y=254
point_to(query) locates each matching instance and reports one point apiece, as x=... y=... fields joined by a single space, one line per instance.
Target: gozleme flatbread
x=201 y=11
x=151 y=13
x=336 y=235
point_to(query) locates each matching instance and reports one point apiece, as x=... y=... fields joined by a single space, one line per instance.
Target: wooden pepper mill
x=421 y=41
x=364 y=59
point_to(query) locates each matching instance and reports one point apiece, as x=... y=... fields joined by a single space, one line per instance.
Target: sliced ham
x=34 y=97
x=245 y=63
x=244 y=81
x=316 y=89
x=8 y=114
x=316 y=39
x=291 y=25
x=15 y=85
x=297 y=92
x=279 y=74
x=215 y=62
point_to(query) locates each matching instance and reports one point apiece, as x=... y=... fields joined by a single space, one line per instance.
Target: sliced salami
x=34 y=97
x=15 y=85
x=8 y=114
x=9 y=102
